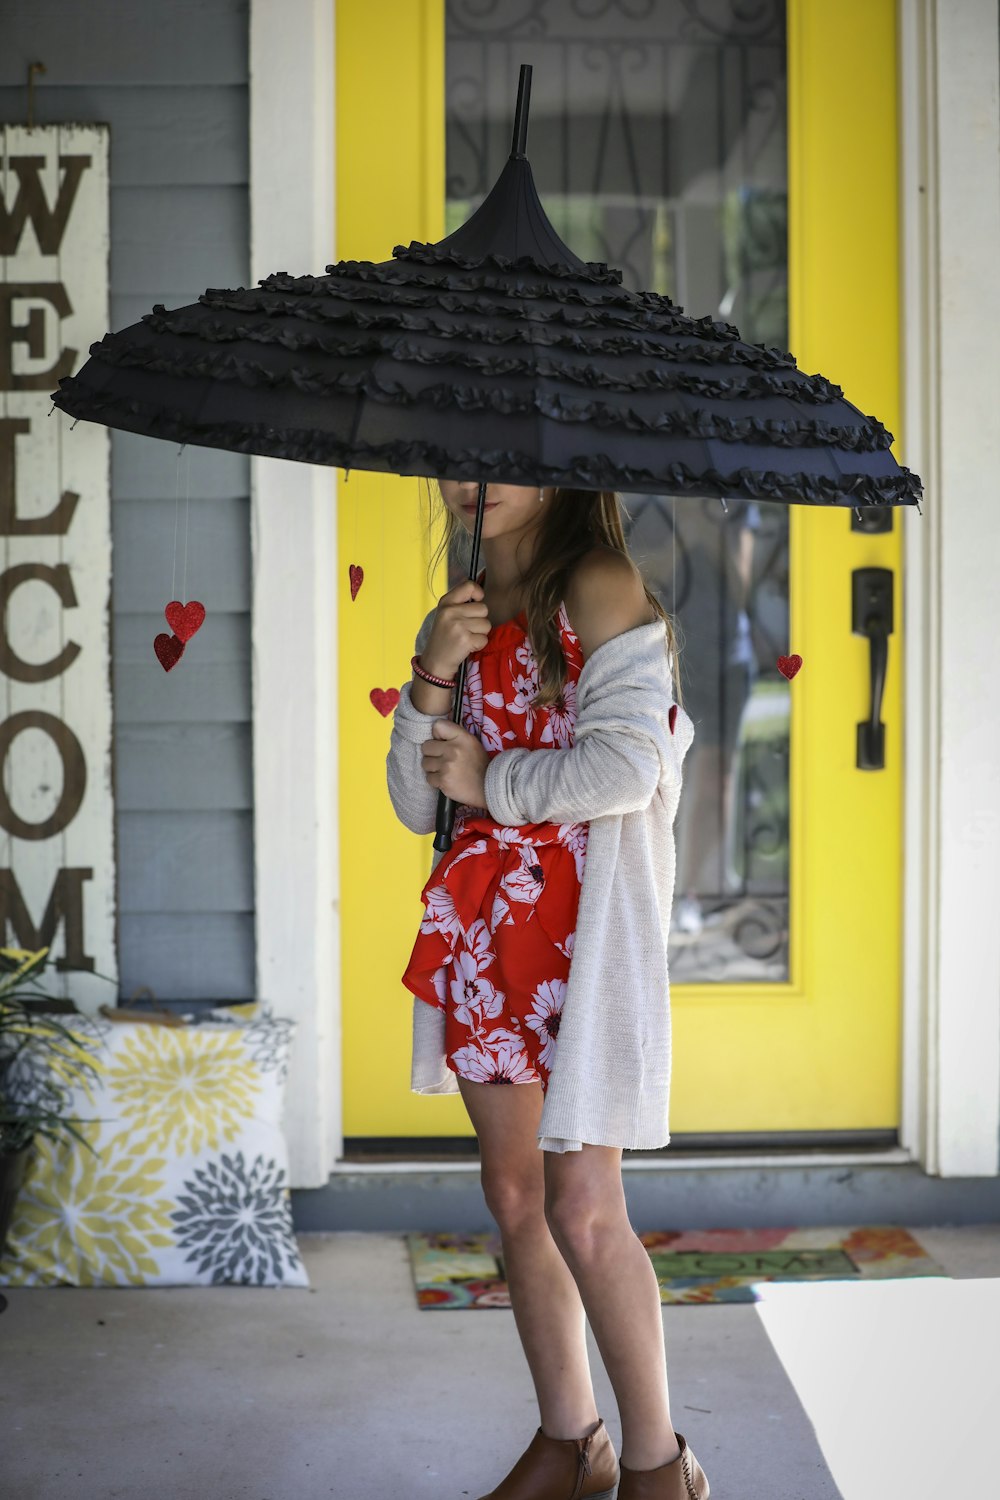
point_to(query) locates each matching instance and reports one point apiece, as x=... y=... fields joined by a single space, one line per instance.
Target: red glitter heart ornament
x=357 y=579
x=184 y=619
x=384 y=699
x=789 y=665
x=672 y=717
x=169 y=650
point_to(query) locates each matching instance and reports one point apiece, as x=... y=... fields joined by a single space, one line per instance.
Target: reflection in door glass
x=657 y=140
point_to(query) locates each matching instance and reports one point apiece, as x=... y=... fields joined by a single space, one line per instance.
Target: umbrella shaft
x=519 y=140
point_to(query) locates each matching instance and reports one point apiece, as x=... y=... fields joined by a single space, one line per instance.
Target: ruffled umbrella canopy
x=494 y=354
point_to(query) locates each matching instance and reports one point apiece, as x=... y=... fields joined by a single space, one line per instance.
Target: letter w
x=31 y=203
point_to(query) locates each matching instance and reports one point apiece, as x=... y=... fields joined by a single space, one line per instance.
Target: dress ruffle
x=469 y=877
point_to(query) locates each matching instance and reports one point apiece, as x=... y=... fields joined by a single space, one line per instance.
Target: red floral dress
x=495 y=943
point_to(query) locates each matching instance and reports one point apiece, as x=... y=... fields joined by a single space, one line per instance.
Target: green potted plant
x=27 y=1020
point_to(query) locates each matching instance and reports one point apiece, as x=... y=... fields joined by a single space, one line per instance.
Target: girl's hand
x=455 y=762
x=460 y=626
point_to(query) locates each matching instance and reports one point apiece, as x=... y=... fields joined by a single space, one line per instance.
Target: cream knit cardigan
x=610 y=1080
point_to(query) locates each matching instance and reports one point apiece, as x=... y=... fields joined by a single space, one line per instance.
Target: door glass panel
x=657 y=140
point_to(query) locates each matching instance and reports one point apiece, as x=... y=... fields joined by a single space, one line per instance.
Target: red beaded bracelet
x=443 y=682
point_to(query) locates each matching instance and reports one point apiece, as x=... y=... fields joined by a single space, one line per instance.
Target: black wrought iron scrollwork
x=724 y=20
x=660 y=125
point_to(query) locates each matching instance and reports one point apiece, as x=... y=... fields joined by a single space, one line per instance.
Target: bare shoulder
x=605 y=596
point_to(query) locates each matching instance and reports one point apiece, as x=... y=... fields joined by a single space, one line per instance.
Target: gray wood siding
x=172 y=83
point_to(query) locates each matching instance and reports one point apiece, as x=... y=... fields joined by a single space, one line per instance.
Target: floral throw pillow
x=187 y=1182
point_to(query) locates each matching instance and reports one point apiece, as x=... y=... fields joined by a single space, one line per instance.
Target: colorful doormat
x=691 y=1265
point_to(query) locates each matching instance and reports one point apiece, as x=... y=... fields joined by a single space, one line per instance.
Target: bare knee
x=580 y=1223
x=515 y=1200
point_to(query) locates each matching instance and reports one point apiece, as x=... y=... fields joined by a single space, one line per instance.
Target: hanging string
x=177 y=507
x=673 y=549
x=187 y=517
x=382 y=570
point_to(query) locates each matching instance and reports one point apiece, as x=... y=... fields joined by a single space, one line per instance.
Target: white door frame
x=294 y=629
x=950 y=218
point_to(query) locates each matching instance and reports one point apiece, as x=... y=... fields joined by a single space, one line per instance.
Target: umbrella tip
x=520 y=135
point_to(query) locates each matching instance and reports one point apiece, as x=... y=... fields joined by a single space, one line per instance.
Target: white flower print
x=469 y=990
x=547 y=1002
x=500 y=913
x=479 y=847
x=500 y=1035
x=525 y=685
x=439 y=979
x=574 y=836
x=489 y=732
x=526 y=656
x=566 y=949
x=527 y=880
x=562 y=717
x=508 y=834
x=474 y=719
x=504 y=1062
x=477 y=940
x=441 y=915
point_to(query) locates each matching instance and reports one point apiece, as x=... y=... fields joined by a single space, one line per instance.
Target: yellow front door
x=785 y=961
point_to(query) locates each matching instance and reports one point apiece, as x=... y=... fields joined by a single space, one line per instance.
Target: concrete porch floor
x=348 y=1390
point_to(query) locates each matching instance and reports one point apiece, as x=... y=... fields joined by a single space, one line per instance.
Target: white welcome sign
x=57 y=847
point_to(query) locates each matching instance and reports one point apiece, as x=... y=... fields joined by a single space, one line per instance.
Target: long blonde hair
x=573 y=523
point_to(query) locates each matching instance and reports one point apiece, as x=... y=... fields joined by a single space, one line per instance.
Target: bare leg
x=544 y=1297
x=585 y=1205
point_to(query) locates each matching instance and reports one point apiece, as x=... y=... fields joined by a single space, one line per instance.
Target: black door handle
x=871 y=615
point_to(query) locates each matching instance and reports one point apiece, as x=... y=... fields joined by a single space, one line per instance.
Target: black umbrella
x=494 y=354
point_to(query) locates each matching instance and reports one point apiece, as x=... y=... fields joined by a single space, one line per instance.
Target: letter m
x=65 y=905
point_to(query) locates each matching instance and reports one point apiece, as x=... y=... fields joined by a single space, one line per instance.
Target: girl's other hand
x=454 y=761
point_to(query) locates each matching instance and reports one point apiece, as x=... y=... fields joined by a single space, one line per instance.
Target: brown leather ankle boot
x=683 y=1478
x=584 y=1468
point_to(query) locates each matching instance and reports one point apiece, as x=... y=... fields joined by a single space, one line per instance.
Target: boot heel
x=551 y=1466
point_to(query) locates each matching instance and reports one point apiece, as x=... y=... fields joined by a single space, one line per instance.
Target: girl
x=541 y=958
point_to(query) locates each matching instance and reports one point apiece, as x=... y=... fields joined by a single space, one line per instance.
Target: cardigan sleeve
x=413 y=799
x=623 y=748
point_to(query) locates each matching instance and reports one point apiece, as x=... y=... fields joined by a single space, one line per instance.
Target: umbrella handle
x=446 y=807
